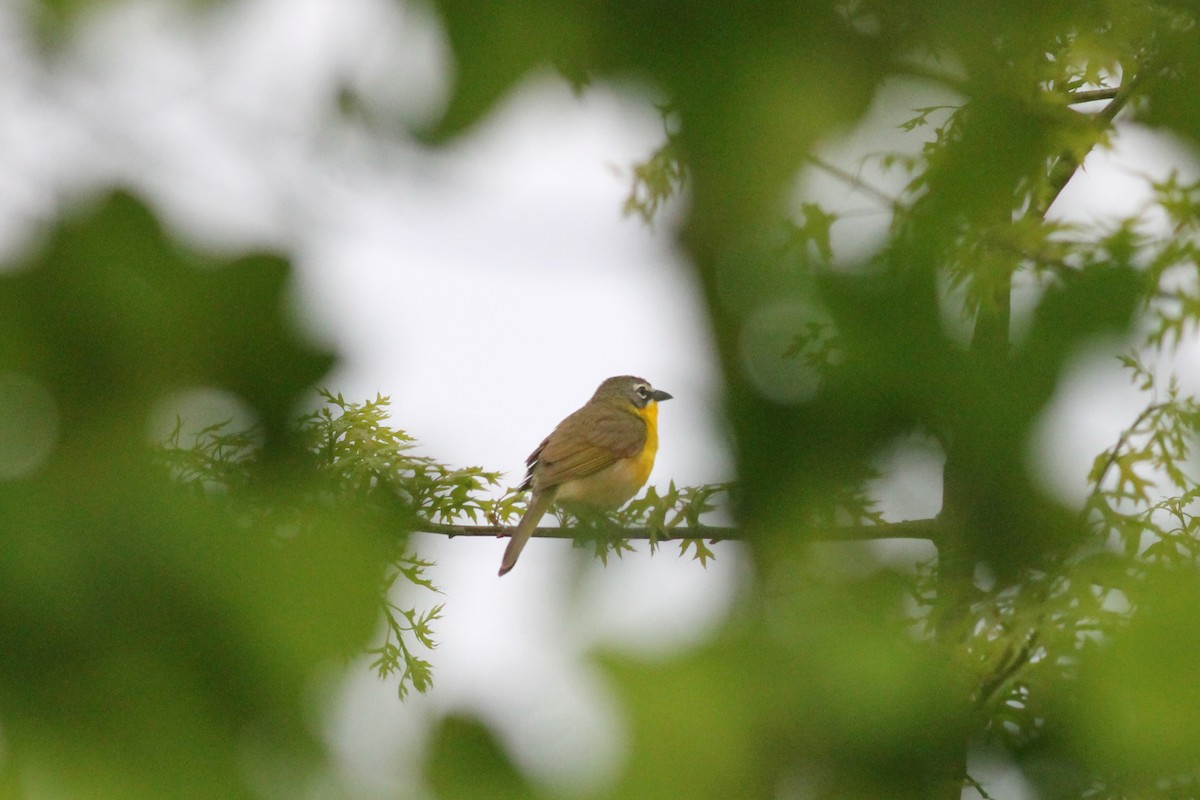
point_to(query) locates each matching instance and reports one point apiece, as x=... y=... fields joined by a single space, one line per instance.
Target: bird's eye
x=643 y=390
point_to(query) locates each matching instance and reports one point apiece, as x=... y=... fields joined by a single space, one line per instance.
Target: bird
x=597 y=458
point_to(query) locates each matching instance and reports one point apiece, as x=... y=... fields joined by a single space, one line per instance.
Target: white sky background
x=487 y=288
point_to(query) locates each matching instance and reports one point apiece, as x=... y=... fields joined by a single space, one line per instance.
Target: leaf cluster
x=363 y=457
x=357 y=461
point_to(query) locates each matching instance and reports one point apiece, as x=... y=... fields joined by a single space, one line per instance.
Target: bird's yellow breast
x=618 y=482
x=644 y=462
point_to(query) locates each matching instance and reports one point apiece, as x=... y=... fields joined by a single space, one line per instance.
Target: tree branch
x=978 y=787
x=910 y=529
x=1092 y=95
x=1067 y=164
x=856 y=182
x=1014 y=659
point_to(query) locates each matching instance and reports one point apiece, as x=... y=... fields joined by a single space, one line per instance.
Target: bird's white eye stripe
x=643 y=390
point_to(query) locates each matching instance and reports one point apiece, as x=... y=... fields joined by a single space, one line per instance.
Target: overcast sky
x=487 y=288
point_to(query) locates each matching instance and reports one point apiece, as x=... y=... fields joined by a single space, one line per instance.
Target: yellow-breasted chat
x=597 y=458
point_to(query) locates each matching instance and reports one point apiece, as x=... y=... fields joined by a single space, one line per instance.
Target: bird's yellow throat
x=645 y=460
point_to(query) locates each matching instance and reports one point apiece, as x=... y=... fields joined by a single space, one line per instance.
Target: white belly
x=611 y=487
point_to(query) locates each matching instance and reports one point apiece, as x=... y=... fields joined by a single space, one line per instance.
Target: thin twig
x=857 y=182
x=977 y=786
x=1115 y=453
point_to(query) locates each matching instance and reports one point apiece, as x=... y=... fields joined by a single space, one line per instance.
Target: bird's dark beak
x=660 y=395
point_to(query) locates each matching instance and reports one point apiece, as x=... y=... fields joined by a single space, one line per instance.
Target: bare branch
x=1092 y=95
x=978 y=787
x=856 y=182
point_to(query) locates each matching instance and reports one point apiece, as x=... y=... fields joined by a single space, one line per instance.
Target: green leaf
x=466 y=761
x=135 y=604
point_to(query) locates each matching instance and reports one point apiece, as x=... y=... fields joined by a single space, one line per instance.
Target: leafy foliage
x=395 y=657
x=365 y=458
x=361 y=463
x=152 y=625
x=658 y=178
x=675 y=512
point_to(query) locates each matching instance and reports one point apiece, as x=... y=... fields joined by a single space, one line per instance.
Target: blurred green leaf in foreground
x=161 y=638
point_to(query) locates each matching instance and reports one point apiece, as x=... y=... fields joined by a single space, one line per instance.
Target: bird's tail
x=539 y=504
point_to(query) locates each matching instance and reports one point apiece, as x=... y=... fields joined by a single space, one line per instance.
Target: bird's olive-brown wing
x=586 y=442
